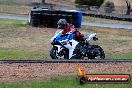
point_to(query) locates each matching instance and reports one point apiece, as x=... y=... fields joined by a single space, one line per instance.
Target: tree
x=129 y=9
x=43 y=1
x=109 y=7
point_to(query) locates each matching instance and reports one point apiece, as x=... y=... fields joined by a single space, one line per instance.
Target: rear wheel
x=96 y=52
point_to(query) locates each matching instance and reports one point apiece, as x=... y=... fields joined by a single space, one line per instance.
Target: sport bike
x=67 y=47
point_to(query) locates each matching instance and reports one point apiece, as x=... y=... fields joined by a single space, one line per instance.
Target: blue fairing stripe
x=70 y=36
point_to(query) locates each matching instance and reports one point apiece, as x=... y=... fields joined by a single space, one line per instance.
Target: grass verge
x=16 y=42
x=17 y=38
x=125 y=56
x=12 y=24
x=61 y=82
x=18 y=55
x=11 y=8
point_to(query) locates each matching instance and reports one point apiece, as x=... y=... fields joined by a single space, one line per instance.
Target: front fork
x=60 y=51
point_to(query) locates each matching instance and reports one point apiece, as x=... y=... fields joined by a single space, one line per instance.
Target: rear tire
x=101 y=55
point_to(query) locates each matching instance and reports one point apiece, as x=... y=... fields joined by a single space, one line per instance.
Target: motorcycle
x=67 y=47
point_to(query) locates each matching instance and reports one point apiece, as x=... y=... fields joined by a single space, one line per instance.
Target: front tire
x=53 y=53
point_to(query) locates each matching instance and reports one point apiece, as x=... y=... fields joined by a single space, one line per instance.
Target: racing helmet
x=62 y=23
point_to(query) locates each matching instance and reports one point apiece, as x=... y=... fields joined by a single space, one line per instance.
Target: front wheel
x=96 y=52
x=63 y=54
x=53 y=53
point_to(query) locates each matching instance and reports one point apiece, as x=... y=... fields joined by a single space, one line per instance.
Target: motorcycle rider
x=69 y=28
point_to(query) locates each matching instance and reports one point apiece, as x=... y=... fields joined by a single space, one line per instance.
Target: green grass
x=9 y=4
x=120 y=56
x=11 y=8
x=12 y=24
x=17 y=54
x=71 y=1
x=62 y=82
x=11 y=21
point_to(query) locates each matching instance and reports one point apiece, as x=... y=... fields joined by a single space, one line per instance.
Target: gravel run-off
x=25 y=71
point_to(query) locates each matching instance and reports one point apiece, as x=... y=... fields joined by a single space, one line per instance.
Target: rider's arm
x=80 y=36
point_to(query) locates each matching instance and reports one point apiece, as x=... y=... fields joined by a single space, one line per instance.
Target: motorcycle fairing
x=66 y=41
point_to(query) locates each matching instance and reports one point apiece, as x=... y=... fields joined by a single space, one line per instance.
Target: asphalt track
x=124 y=26
x=65 y=61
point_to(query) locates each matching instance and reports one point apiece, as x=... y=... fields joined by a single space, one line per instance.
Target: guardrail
x=106 y=16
